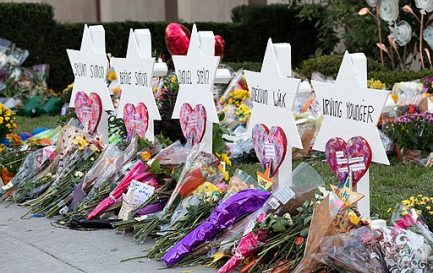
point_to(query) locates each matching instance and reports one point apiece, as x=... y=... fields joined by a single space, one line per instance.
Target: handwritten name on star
x=89 y=70
x=134 y=78
x=268 y=97
x=348 y=110
x=201 y=76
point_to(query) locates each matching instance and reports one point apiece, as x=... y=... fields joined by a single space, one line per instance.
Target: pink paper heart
x=88 y=110
x=193 y=122
x=136 y=119
x=270 y=146
x=355 y=154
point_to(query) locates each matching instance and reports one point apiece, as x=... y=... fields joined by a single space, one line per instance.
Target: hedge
x=31 y=26
x=329 y=65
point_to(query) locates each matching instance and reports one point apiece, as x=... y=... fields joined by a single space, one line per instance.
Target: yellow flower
x=111 y=75
x=224 y=158
x=375 y=84
x=2 y=148
x=81 y=142
x=145 y=155
x=428 y=208
x=15 y=140
x=354 y=219
x=173 y=79
x=405 y=202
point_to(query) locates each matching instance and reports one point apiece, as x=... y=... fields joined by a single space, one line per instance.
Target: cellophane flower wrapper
x=240 y=181
x=33 y=164
x=151 y=208
x=199 y=168
x=174 y=155
x=306 y=181
x=206 y=192
x=355 y=251
x=404 y=250
x=138 y=172
x=247 y=247
x=106 y=166
x=330 y=217
x=224 y=216
x=412 y=221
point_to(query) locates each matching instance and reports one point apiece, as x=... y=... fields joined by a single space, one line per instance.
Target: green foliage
x=390 y=77
x=328 y=65
x=31 y=26
x=359 y=33
x=218 y=141
x=252 y=66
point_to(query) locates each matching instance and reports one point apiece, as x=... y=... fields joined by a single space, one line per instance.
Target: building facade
x=92 y=11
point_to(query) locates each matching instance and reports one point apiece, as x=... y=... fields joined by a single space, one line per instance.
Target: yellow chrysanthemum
x=111 y=75
x=81 y=142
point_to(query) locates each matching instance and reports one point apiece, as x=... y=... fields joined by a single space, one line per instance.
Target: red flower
x=299 y=240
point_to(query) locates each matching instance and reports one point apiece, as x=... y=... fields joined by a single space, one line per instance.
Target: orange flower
x=299 y=240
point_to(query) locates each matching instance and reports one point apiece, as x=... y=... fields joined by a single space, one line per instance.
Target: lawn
x=389 y=184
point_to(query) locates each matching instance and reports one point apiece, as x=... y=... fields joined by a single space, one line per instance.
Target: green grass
x=26 y=124
x=388 y=184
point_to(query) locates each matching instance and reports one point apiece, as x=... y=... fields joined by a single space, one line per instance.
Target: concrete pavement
x=37 y=246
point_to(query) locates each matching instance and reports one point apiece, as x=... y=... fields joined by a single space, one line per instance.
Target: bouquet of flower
x=190 y=212
x=199 y=168
x=329 y=218
x=33 y=164
x=236 y=103
x=423 y=205
x=356 y=251
x=412 y=132
x=223 y=217
x=7 y=121
x=76 y=159
x=138 y=172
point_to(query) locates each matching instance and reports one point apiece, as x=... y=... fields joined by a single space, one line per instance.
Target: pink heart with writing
x=355 y=154
x=193 y=122
x=88 y=109
x=270 y=146
x=136 y=119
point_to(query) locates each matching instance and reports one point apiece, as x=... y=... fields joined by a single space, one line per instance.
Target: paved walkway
x=37 y=246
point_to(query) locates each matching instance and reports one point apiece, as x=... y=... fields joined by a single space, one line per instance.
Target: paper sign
x=137 y=194
x=350 y=110
x=135 y=73
x=90 y=68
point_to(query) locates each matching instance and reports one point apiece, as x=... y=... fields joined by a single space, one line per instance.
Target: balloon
x=177 y=39
x=219 y=46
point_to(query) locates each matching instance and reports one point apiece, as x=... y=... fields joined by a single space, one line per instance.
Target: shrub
x=329 y=65
x=31 y=26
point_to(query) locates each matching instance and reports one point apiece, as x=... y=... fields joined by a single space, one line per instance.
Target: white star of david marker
x=195 y=74
x=350 y=110
x=90 y=69
x=135 y=74
x=273 y=96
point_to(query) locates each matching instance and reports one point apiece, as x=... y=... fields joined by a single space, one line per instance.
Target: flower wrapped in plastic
x=108 y=164
x=34 y=163
x=224 y=216
x=330 y=217
x=138 y=172
x=199 y=168
x=404 y=250
x=355 y=251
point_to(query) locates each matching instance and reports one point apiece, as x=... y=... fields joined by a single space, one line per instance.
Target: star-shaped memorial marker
x=196 y=74
x=135 y=73
x=350 y=110
x=90 y=69
x=273 y=96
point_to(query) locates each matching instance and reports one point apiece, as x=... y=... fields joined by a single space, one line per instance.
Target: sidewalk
x=37 y=246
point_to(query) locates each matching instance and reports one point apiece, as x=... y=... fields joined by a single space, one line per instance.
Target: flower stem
x=420 y=40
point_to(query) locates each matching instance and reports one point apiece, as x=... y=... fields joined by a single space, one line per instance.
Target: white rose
x=372 y=3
